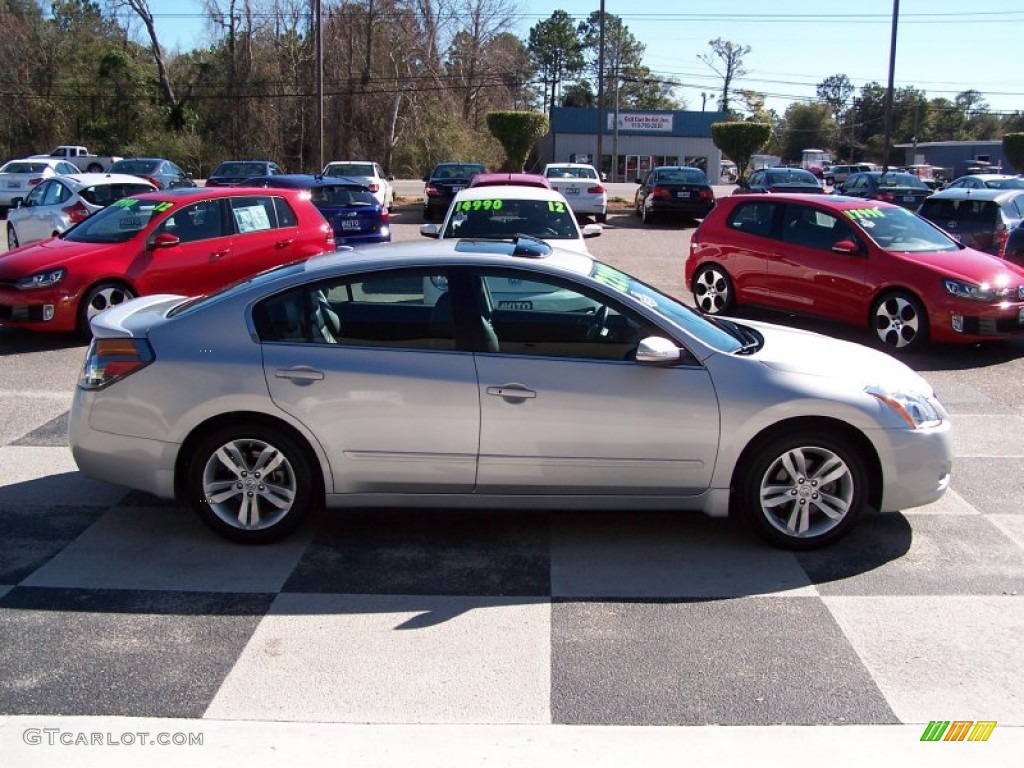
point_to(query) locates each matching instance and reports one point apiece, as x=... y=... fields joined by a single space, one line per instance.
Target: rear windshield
x=457 y=171
x=134 y=166
x=16 y=167
x=792 y=177
x=105 y=194
x=560 y=172
x=240 y=169
x=350 y=169
x=504 y=218
x=681 y=176
x=901 y=181
x=334 y=197
x=974 y=211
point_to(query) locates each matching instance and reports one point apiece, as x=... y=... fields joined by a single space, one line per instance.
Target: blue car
x=349 y=206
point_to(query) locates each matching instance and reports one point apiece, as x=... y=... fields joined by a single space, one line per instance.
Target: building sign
x=642 y=121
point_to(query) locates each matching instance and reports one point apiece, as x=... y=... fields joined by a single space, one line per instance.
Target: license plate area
x=683 y=193
x=351 y=224
x=572 y=190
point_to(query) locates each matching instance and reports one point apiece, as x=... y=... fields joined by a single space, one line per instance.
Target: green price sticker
x=479 y=205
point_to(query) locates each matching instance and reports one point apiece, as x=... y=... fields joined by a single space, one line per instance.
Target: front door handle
x=512 y=391
x=218 y=255
x=299 y=373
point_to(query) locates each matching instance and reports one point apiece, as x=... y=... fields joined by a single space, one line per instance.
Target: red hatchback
x=185 y=241
x=862 y=262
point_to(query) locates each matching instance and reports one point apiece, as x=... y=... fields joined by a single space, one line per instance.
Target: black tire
x=222 y=494
x=12 y=238
x=601 y=218
x=98 y=298
x=791 y=481
x=636 y=206
x=646 y=214
x=713 y=291
x=428 y=215
x=899 y=322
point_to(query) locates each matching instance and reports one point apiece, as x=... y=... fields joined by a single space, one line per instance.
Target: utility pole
x=888 y=93
x=319 y=32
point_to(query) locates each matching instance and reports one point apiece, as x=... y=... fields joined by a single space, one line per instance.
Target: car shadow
x=18 y=341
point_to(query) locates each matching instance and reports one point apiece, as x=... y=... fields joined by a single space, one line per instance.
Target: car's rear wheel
x=98 y=298
x=601 y=218
x=12 y=237
x=802 y=491
x=713 y=291
x=899 y=322
x=250 y=483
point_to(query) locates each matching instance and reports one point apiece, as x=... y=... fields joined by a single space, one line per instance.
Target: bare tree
x=726 y=61
x=141 y=9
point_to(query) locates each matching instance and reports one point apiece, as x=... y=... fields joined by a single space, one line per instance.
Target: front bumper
x=49 y=309
x=916 y=466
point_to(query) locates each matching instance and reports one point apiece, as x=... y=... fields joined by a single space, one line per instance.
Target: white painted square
x=167 y=548
x=394 y=659
x=951 y=503
x=941 y=658
x=49 y=477
x=978 y=435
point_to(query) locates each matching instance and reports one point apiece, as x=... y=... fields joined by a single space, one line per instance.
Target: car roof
x=522 y=251
x=832 y=202
x=187 y=195
x=305 y=181
x=987 y=176
x=511 y=191
x=91 y=179
x=574 y=165
x=964 y=193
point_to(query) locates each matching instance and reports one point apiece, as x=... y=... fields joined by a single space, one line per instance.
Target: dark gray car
x=163 y=173
x=979 y=218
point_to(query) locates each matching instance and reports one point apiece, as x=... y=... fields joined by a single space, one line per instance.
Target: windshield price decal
x=556 y=206
x=859 y=214
x=610 y=277
x=161 y=207
x=479 y=205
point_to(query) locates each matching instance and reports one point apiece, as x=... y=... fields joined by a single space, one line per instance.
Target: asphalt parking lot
x=477 y=634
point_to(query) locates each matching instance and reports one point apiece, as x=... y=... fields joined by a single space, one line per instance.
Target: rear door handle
x=215 y=255
x=299 y=373
x=514 y=391
x=283 y=243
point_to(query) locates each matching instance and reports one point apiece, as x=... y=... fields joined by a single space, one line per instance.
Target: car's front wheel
x=802 y=491
x=899 y=322
x=713 y=291
x=250 y=483
x=98 y=298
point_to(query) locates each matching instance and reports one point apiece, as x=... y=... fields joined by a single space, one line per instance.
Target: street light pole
x=598 y=161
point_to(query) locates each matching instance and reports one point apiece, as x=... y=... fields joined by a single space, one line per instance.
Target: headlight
x=964 y=290
x=41 y=279
x=916 y=410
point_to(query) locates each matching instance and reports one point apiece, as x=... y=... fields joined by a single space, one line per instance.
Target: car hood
x=795 y=351
x=49 y=253
x=969 y=264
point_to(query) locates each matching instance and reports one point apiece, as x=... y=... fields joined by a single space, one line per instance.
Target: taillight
x=1002 y=238
x=661 y=193
x=110 y=360
x=33 y=182
x=77 y=212
x=385 y=216
x=432 y=191
x=598 y=190
x=332 y=245
x=707 y=194
x=885 y=197
x=374 y=187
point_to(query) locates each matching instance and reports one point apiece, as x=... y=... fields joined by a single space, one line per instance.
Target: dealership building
x=632 y=141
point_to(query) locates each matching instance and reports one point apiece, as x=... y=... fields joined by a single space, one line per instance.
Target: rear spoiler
x=133 y=316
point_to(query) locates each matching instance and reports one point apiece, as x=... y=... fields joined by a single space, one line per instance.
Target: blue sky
x=943 y=47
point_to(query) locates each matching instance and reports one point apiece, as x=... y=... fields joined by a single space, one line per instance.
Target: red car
x=514 y=179
x=185 y=241
x=862 y=262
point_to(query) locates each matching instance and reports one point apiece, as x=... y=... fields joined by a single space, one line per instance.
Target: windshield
x=899 y=230
x=671 y=309
x=119 y=222
x=1011 y=183
x=901 y=181
x=503 y=217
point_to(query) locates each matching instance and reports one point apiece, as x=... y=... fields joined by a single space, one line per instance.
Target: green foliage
x=517 y=132
x=1013 y=148
x=807 y=125
x=739 y=141
x=556 y=52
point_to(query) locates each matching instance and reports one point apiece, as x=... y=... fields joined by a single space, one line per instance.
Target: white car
x=368 y=173
x=505 y=212
x=18 y=177
x=581 y=186
x=57 y=204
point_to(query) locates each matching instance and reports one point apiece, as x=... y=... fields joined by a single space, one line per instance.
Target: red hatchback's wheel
x=98 y=298
x=900 y=322
x=712 y=291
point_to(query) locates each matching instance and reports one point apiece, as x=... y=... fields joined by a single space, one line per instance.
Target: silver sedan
x=406 y=375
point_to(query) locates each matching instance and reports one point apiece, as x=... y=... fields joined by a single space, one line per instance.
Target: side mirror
x=391 y=178
x=846 y=246
x=17 y=202
x=656 y=349
x=165 y=240
x=430 y=230
x=592 y=230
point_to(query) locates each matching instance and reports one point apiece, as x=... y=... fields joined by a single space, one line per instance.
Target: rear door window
x=756 y=218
